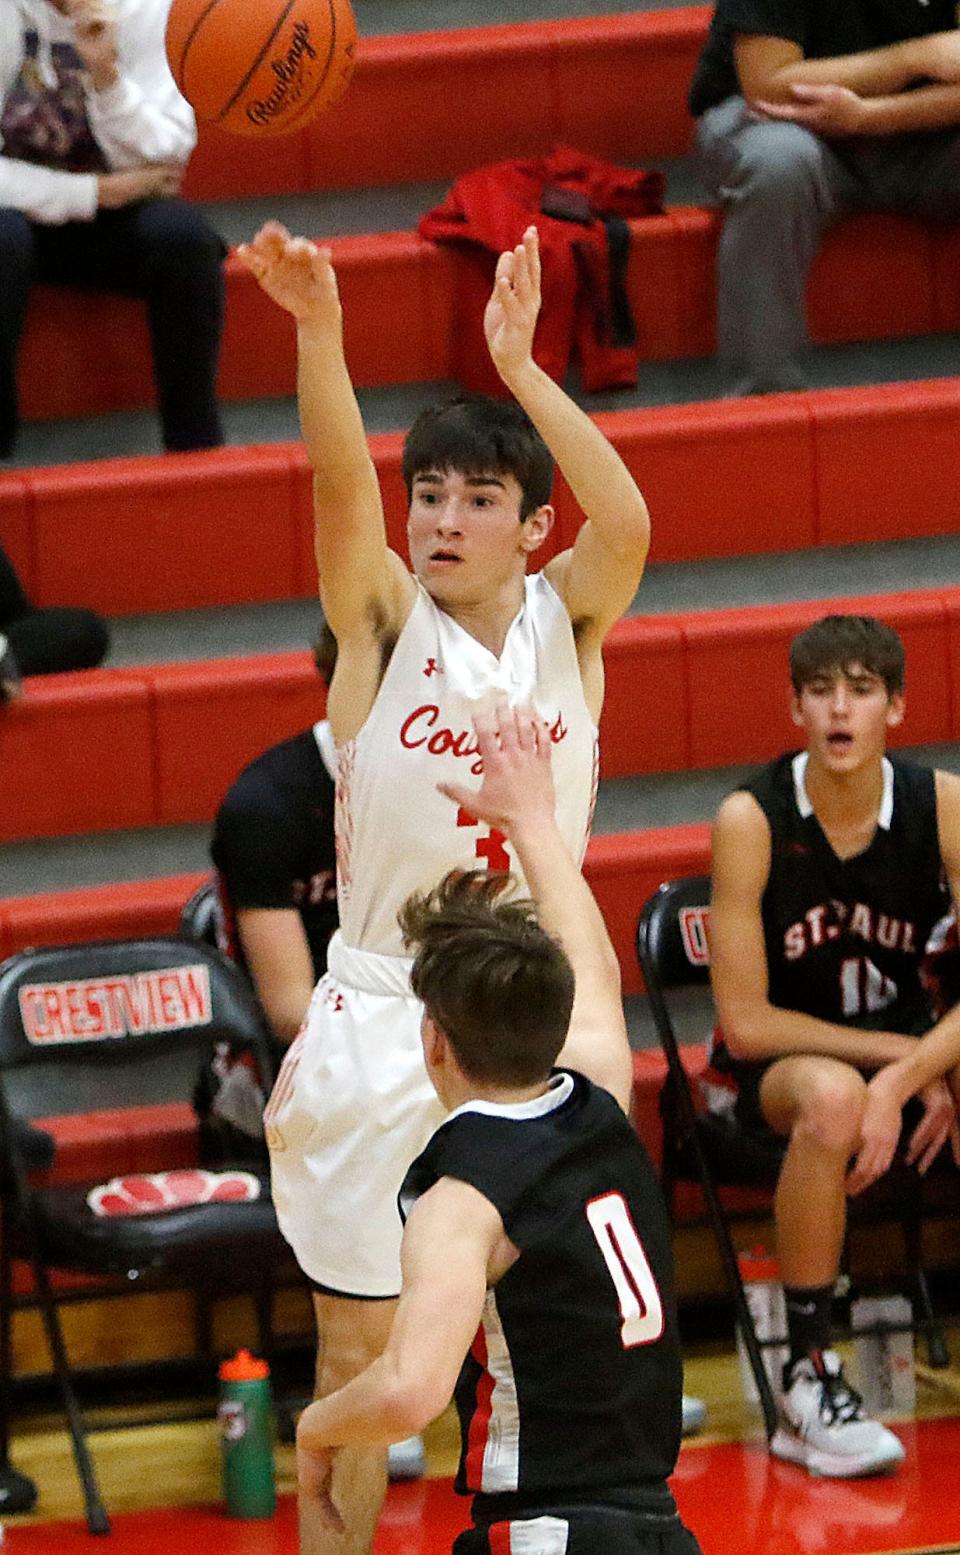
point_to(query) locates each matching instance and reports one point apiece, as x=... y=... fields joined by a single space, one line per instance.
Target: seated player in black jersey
x=536 y=1243
x=828 y=877
x=274 y=852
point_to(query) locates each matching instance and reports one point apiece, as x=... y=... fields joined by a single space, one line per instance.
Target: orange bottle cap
x=758 y=1265
x=243 y=1367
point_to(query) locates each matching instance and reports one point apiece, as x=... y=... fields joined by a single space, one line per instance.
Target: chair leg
x=264 y=1307
x=938 y=1355
x=97 y=1519
x=6 y=1343
x=19 y=1494
x=731 y=1269
x=203 y=1323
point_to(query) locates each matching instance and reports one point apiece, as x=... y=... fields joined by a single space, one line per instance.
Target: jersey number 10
x=641 y=1309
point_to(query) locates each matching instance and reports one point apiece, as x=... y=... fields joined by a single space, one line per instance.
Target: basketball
x=261 y=67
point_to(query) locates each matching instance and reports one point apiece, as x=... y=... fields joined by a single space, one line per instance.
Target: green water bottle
x=245 y=1416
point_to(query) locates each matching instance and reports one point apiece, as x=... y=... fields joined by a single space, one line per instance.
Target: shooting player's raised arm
x=598 y=578
x=361 y=579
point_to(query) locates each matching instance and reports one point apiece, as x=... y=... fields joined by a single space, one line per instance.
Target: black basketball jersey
x=273 y=842
x=845 y=938
x=572 y=1386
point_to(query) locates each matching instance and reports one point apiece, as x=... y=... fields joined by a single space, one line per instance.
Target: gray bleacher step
x=641 y=803
x=690 y=1008
x=880 y=567
x=391 y=409
x=380 y=18
x=335 y=213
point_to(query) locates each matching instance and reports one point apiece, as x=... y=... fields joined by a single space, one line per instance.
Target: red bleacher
x=607 y=84
x=615 y=86
x=731 y=477
x=877 y=276
x=623 y=870
x=158 y=745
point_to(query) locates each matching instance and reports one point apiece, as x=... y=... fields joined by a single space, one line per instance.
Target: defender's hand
x=295 y=273
x=314 y=1482
x=517 y=786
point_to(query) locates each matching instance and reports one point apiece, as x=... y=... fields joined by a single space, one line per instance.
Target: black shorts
x=582 y=1531
x=749 y=1113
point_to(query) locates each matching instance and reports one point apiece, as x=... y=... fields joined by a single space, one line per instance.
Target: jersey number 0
x=641 y=1309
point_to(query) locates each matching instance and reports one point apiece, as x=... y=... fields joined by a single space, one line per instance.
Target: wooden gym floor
x=161 y=1485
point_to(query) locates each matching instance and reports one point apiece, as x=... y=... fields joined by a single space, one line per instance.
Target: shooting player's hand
x=511 y=314
x=295 y=273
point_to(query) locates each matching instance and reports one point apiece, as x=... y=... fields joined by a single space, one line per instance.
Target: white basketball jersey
x=395 y=832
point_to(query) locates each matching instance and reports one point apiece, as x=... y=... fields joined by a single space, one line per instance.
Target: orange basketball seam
x=257 y=61
x=189 y=39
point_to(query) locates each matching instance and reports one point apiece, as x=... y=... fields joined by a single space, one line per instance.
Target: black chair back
x=203 y=916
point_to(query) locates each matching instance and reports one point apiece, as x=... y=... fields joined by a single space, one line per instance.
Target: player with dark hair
x=473 y=433
x=536 y=1243
x=828 y=877
x=421 y=650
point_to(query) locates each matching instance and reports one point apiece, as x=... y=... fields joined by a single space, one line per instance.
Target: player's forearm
x=566 y=906
x=766 y=1032
x=329 y=414
x=928 y=1058
x=873 y=73
x=597 y=476
x=375 y=1408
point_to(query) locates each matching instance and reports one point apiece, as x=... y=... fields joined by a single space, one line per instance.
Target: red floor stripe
x=735 y=1498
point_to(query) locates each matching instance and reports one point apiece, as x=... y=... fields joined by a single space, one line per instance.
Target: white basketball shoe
x=823 y=1427
x=406 y=1459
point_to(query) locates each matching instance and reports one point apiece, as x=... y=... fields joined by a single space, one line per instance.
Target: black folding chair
x=121 y=1028
x=202 y=916
x=672 y=949
x=713 y=1149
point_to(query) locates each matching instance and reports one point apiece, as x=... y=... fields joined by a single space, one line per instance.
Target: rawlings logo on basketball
x=158 y=1192
x=290 y=80
x=693 y=932
x=168 y=999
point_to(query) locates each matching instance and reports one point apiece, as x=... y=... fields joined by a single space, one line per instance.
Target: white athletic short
x=352 y=1107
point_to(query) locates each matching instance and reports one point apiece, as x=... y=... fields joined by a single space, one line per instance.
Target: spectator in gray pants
x=808 y=110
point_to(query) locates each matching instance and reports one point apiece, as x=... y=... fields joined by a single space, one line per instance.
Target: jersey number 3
x=641 y=1309
x=492 y=847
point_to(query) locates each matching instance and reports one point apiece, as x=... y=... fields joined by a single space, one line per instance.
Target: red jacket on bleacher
x=583 y=254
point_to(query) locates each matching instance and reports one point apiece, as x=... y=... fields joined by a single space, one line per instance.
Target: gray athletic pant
x=781 y=187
